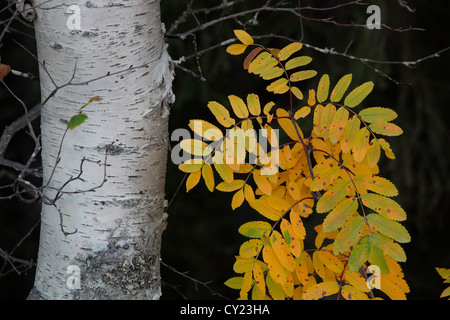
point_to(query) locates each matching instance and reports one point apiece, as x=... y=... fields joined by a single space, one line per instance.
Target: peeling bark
x=119 y=54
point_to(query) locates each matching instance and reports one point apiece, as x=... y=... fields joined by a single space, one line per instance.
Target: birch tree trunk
x=115 y=50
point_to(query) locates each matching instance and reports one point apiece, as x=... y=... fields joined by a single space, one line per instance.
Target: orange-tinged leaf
x=357 y=95
x=302 y=75
x=390 y=228
x=338 y=124
x=236 y=49
x=386 y=147
x=238 y=106
x=384 y=206
x=332 y=197
x=193 y=180
x=331 y=261
x=230 y=186
x=349 y=234
x=294 y=190
x=324 y=175
x=340 y=88
x=386 y=129
x=392 y=290
x=297 y=225
x=361 y=144
x=288 y=50
x=318 y=110
x=221 y=113
x=208 y=176
x=238 y=199
x=258 y=275
x=225 y=172
x=264 y=209
x=311 y=97
x=349 y=134
x=255 y=229
x=323 y=87
x=248 y=193
x=282 y=252
x=381 y=186
x=251 y=56
x=356 y=280
x=321 y=290
x=276 y=269
x=297 y=62
x=243 y=36
x=340 y=214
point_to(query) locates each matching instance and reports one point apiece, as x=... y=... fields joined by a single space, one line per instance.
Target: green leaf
x=340 y=214
x=357 y=95
x=332 y=197
x=375 y=114
x=389 y=247
x=235 y=282
x=360 y=254
x=255 y=229
x=348 y=235
x=340 y=88
x=76 y=120
x=377 y=258
x=385 y=206
x=392 y=229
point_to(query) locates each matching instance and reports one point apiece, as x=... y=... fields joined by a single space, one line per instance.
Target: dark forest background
x=201 y=238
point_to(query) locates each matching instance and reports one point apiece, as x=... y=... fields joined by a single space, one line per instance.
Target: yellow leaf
x=356 y=280
x=208 y=176
x=193 y=180
x=287 y=125
x=230 y=186
x=278 y=203
x=255 y=229
x=301 y=113
x=321 y=290
x=254 y=105
x=381 y=186
x=246 y=284
x=243 y=265
x=236 y=49
x=297 y=62
x=332 y=197
x=238 y=199
x=243 y=36
x=297 y=225
x=384 y=206
x=221 y=113
x=302 y=75
x=278 y=86
x=387 y=148
x=322 y=88
x=205 y=129
x=337 y=125
x=340 y=88
x=264 y=209
x=331 y=261
x=312 y=97
x=250 y=248
x=373 y=153
x=262 y=183
x=351 y=293
x=292 y=240
x=225 y=172
x=282 y=251
x=385 y=128
x=357 y=95
x=248 y=193
x=191 y=165
x=275 y=290
x=297 y=92
x=391 y=289
x=276 y=270
x=193 y=146
x=377 y=114
x=258 y=275
x=268 y=108
x=349 y=135
x=325 y=120
x=239 y=107
x=340 y=214
x=235 y=282
x=361 y=144
x=288 y=50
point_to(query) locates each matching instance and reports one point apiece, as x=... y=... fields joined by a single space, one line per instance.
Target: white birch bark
x=117 y=229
